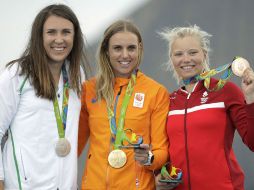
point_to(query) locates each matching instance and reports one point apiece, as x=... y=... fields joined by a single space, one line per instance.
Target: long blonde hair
x=105 y=76
x=171 y=35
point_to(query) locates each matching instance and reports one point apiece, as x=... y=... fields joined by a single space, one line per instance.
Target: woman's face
x=58 y=36
x=187 y=57
x=123 y=53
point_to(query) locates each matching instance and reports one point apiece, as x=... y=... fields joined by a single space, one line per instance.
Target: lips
x=124 y=62
x=187 y=67
x=58 y=48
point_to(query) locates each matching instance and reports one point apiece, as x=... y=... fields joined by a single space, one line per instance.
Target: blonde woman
x=121 y=100
x=203 y=119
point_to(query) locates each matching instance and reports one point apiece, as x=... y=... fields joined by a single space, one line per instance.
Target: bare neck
x=55 y=69
x=189 y=87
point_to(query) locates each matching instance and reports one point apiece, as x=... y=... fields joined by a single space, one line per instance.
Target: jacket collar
x=125 y=81
x=198 y=87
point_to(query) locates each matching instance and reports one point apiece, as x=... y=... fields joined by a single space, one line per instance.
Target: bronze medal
x=239 y=65
x=63 y=147
x=117 y=158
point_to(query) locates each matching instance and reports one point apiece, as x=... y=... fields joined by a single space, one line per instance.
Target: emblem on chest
x=204 y=98
x=139 y=99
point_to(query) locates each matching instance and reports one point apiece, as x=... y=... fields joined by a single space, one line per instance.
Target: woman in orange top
x=121 y=97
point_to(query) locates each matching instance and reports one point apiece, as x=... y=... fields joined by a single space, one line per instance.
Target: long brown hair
x=34 y=61
x=105 y=76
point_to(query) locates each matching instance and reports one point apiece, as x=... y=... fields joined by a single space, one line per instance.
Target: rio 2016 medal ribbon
x=63 y=147
x=117 y=158
x=239 y=65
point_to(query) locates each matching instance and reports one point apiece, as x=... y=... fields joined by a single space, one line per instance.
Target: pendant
x=239 y=65
x=117 y=158
x=63 y=147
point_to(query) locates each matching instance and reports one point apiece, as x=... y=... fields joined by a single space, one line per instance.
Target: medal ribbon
x=118 y=134
x=61 y=120
x=206 y=76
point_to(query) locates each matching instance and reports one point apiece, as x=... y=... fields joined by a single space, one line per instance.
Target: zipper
x=186 y=135
x=116 y=101
x=108 y=167
x=107 y=177
x=186 y=141
x=138 y=171
x=60 y=174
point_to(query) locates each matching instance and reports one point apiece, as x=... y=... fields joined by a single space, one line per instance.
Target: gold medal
x=117 y=158
x=63 y=147
x=239 y=65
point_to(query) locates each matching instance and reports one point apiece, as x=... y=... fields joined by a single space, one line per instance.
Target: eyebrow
x=192 y=49
x=130 y=45
x=64 y=29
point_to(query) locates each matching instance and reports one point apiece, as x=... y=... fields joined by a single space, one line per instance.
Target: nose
x=125 y=53
x=186 y=57
x=59 y=38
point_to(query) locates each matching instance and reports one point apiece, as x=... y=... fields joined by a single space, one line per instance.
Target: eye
x=51 y=32
x=193 y=52
x=117 y=48
x=178 y=54
x=132 y=48
x=66 y=31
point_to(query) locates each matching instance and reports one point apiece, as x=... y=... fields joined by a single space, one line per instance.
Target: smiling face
x=123 y=52
x=58 y=35
x=187 y=57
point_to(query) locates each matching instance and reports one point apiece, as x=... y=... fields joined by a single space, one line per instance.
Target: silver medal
x=63 y=147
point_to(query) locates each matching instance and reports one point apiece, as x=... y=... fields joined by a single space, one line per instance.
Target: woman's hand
x=142 y=153
x=164 y=185
x=248 y=85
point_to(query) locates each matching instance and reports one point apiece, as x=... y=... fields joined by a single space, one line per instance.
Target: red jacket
x=201 y=128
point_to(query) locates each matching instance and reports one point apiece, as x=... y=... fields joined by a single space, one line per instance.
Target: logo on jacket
x=94 y=100
x=204 y=98
x=139 y=100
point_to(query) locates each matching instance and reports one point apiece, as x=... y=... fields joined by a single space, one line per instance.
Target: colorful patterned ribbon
x=61 y=120
x=206 y=76
x=118 y=133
